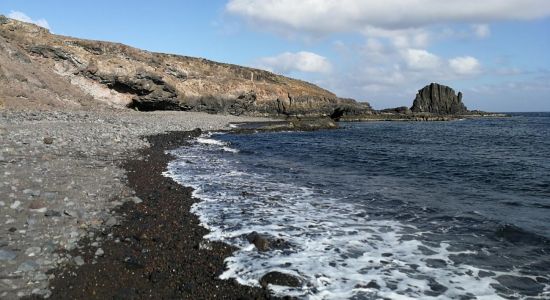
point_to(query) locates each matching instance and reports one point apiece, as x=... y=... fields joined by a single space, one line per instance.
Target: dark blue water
x=442 y=210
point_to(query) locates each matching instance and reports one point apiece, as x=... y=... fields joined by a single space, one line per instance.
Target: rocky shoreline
x=157 y=251
x=61 y=182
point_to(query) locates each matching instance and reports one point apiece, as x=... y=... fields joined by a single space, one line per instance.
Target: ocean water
x=396 y=210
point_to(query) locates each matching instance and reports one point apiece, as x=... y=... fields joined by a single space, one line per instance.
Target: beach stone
x=52 y=213
x=15 y=204
x=32 y=251
x=28 y=266
x=261 y=242
x=7 y=255
x=278 y=278
x=78 y=260
x=37 y=204
x=373 y=285
x=112 y=221
x=136 y=200
x=44 y=293
x=99 y=252
x=48 y=140
x=50 y=196
x=40 y=276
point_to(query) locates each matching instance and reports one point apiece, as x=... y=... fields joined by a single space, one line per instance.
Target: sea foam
x=332 y=246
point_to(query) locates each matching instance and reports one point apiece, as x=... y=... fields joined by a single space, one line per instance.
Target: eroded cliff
x=38 y=68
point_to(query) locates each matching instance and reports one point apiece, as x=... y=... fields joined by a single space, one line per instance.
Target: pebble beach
x=61 y=182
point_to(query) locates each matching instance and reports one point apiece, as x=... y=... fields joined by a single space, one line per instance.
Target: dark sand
x=155 y=252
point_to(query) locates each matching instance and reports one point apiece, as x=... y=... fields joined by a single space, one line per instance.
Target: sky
x=495 y=51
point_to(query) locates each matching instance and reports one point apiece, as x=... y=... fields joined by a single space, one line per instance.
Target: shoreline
x=158 y=250
x=61 y=183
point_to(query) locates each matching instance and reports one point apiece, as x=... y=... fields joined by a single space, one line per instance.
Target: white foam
x=334 y=249
x=208 y=141
x=229 y=149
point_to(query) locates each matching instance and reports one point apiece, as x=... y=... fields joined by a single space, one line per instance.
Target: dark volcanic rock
x=261 y=242
x=398 y=110
x=438 y=99
x=278 y=278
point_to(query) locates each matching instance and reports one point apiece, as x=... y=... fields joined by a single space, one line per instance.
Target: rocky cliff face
x=41 y=69
x=438 y=99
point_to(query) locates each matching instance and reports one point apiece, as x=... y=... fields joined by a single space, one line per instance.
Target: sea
x=382 y=210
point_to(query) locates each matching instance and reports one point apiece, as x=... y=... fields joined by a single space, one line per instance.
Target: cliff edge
x=40 y=69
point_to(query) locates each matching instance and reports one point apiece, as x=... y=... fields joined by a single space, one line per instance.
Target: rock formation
x=438 y=99
x=40 y=69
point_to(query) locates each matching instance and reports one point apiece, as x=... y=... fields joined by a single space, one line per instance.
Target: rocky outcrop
x=397 y=110
x=438 y=99
x=63 y=71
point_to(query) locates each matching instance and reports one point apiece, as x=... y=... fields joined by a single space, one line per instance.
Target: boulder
x=438 y=99
x=282 y=279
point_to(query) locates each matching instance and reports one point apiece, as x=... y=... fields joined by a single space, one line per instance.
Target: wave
x=334 y=248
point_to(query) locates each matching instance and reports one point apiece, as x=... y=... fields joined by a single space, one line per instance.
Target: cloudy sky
x=495 y=51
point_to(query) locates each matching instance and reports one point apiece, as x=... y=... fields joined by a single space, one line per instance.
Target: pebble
x=99 y=252
x=15 y=204
x=76 y=172
x=7 y=255
x=28 y=266
x=37 y=205
x=78 y=260
x=112 y=221
x=32 y=251
x=44 y=293
x=137 y=200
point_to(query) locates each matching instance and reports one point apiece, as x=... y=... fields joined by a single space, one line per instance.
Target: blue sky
x=495 y=51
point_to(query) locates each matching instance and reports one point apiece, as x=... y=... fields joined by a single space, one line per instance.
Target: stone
x=136 y=200
x=28 y=266
x=78 y=260
x=44 y=293
x=32 y=251
x=373 y=285
x=99 y=252
x=438 y=99
x=282 y=279
x=37 y=204
x=15 y=204
x=112 y=221
x=7 y=255
x=48 y=140
x=50 y=196
x=40 y=277
x=52 y=213
x=261 y=242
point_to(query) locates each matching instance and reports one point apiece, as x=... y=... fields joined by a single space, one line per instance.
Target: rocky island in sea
x=86 y=212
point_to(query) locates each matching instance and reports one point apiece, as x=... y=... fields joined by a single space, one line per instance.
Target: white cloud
x=481 y=30
x=301 y=61
x=418 y=59
x=20 y=16
x=401 y=38
x=465 y=65
x=329 y=16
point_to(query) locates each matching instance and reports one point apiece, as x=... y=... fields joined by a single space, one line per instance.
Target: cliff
x=438 y=99
x=40 y=69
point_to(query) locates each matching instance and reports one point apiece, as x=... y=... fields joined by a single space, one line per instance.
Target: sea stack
x=438 y=99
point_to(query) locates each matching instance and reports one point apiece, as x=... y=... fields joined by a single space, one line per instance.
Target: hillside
x=40 y=70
